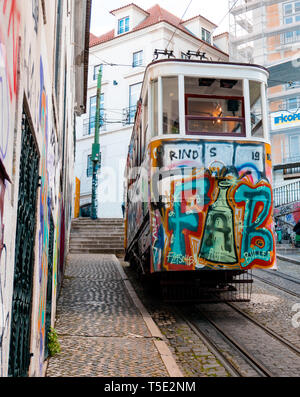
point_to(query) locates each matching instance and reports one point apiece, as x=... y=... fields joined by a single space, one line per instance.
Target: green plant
x=53 y=343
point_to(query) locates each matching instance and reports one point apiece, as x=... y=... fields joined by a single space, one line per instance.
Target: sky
x=214 y=10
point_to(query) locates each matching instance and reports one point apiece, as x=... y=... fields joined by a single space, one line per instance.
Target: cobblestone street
x=100 y=330
x=271 y=307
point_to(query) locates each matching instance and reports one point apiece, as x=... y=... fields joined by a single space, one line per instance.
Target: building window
x=96 y=71
x=134 y=95
x=291 y=103
x=291 y=15
x=293 y=84
x=206 y=35
x=294 y=148
x=123 y=25
x=137 y=59
x=93 y=102
x=89 y=170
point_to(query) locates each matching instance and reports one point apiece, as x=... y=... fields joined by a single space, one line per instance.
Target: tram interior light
x=227 y=83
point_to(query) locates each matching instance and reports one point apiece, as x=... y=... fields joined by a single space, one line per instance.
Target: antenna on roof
x=162 y=52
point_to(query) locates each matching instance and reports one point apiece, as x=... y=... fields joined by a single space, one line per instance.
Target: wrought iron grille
x=19 y=355
x=49 y=286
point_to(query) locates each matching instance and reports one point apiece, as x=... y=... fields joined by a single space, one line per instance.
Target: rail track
x=232 y=365
x=294 y=282
x=285 y=276
x=241 y=357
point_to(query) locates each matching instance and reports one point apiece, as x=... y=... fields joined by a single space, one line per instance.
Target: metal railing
x=129 y=115
x=287 y=194
x=89 y=126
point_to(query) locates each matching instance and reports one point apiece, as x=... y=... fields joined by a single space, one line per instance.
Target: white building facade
x=123 y=54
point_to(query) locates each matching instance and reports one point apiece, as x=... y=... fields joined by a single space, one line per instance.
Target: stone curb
x=288 y=259
x=162 y=347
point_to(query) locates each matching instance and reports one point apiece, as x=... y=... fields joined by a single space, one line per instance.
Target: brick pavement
x=102 y=328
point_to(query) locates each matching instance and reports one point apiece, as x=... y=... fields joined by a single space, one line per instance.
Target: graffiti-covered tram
x=199 y=177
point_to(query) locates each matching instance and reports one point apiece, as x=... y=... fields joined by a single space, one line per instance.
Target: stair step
x=96 y=251
x=96 y=238
x=96 y=234
x=84 y=245
x=103 y=236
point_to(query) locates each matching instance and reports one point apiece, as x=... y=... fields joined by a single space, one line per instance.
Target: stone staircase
x=100 y=236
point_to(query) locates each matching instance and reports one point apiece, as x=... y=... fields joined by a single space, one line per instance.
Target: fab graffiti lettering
x=179 y=220
x=257 y=246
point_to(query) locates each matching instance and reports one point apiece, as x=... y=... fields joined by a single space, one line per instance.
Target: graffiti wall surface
x=286 y=217
x=36 y=83
x=211 y=205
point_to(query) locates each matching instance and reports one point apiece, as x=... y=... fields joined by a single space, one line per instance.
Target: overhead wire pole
x=96 y=149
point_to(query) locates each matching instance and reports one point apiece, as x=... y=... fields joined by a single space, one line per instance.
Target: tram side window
x=256 y=109
x=154 y=93
x=146 y=137
x=170 y=105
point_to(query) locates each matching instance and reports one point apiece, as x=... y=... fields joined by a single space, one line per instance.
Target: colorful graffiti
x=10 y=9
x=286 y=217
x=44 y=213
x=9 y=54
x=4 y=312
x=211 y=205
x=4 y=105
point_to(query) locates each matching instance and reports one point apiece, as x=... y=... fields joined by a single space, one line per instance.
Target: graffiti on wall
x=9 y=53
x=12 y=15
x=44 y=212
x=211 y=205
x=4 y=313
x=286 y=217
x=4 y=105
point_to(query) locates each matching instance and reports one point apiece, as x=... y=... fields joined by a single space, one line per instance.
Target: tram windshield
x=214 y=106
x=183 y=104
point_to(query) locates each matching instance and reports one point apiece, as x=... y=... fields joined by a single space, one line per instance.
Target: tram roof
x=193 y=61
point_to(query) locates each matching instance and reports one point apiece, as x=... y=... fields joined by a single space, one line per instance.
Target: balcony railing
x=287 y=194
x=129 y=115
x=89 y=126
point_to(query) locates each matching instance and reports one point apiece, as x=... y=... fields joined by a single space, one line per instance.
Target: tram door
x=19 y=353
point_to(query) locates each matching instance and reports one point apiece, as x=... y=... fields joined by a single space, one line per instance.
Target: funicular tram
x=199 y=179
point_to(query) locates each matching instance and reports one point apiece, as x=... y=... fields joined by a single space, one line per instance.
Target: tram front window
x=212 y=114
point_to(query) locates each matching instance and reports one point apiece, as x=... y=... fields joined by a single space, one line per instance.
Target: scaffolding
x=259 y=33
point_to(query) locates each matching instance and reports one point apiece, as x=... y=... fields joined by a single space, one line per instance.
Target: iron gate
x=19 y=354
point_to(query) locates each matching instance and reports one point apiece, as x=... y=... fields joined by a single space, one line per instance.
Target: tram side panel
x=138 y=239
x=211 y=205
